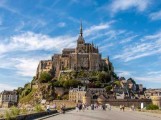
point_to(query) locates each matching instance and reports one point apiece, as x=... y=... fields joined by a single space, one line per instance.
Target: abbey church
x=85 y=57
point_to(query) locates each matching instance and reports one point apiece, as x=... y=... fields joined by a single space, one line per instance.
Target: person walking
x=77 y=107
x=48 y=108
x=83 y=107
x=109 y=107
x=103 y=107
x=92 y=106
x=120 y=107
x=123 y=108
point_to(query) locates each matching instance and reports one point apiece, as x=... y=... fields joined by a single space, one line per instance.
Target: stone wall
x=67 y=103
x=127 y=102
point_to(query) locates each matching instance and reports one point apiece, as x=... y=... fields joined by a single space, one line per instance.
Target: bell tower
x=80 y=40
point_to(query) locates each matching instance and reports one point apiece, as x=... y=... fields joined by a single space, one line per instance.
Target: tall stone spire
x=81 y=29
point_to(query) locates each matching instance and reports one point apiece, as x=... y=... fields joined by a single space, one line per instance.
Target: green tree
x=132 y=80
x=71 y=83
x=45 y=77
x=115 y=76
x=117 y=82
x=98 y=84
x=108 y=88
x=104 y=77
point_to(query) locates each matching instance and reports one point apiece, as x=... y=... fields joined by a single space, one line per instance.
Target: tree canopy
x=45 y=77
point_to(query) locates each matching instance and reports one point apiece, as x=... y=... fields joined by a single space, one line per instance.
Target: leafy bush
x=152 y=107
x=104 y=77
x=25 y=99
x=1 y=115
x=15 y=111
x=71 y=83
x=8 y=115
x=108 y=88
x=38 y=108
x=117 y=82
x=45 y=77
x=57 y=84
x=97 y=84
x=23 y=111
x=12 y=114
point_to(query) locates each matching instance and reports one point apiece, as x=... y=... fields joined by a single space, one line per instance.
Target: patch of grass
x=24 y=111
x=1 y=116
x=15 y=111
x=8 y=115
x=38 y=108
x=28 y=98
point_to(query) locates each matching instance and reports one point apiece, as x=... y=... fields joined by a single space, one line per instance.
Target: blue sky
x=129 y=31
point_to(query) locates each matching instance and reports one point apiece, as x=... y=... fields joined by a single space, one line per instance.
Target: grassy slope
x=29 y=97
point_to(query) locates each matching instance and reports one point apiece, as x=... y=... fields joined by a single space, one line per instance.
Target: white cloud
x=149 y=79
x=155 y=15
x=61 y=24
x=154 y=73
x=6 y=87
x=95 y=28
x=123 y=73
x=30 y=41
x=149 y=45
x=120 y=5
x=26 y=67
x=128 y=39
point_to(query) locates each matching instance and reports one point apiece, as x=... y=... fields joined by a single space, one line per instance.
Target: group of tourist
x=82 y=107
x=62 y=108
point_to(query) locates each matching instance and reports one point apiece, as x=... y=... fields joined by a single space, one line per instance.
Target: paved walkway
x=114 y=114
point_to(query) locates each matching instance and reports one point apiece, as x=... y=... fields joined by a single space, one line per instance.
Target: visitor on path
x=83 y=107
x=63 y=109
x=80 y=106
x=120 y=107
x=92 y=106
x=132 y=107
x=104 y=107
x=77 y=108
x=54 y=106
x=48 y=108
x=123 y=108
x=109 y=107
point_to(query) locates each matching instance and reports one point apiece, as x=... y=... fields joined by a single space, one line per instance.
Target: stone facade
x=152 y=92
x=156 y=100
x=85 y=56
x=86 y=95
x=8 y=98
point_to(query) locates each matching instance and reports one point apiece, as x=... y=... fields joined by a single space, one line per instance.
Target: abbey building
x=85 y=56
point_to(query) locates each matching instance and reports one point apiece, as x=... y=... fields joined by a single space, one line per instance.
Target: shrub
x=8 y=115
x=45 y=77
x=15 y=111
x=152 y=107
x=108 y=88
x=38 y=108
x=24 y=111
x=1 y=115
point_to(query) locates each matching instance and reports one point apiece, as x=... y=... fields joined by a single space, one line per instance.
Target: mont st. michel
x=78 y=74
x=85 y=57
